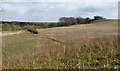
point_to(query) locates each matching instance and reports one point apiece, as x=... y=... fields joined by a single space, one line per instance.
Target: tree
x=66 y=21
x=98 y=18
x=88 y=20
x=80 y=20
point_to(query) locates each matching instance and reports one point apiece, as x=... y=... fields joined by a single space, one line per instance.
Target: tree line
x=66 y=21
x=62 y=21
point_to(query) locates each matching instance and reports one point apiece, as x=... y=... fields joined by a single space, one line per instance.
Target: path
x=10 y=33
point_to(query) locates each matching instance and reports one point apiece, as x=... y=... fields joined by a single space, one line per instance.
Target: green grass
x=88 y=47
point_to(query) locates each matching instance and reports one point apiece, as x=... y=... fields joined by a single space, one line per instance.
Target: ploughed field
x=90 y=46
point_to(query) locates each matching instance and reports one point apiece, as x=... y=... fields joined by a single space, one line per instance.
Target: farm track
x=10 y=33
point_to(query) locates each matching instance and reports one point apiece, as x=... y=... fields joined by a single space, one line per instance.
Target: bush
x=34 y=31
x=10 y=27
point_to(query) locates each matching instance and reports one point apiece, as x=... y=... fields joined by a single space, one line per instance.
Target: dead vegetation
x=88 y=47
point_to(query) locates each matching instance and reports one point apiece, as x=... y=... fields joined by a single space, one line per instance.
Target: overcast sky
x=52 y=10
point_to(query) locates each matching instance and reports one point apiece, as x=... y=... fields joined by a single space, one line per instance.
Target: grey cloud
x=51 y=11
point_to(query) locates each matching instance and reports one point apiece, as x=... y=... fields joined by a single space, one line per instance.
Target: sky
x=52 y=10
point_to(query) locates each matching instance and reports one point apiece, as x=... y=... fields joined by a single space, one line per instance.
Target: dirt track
x=10 y=33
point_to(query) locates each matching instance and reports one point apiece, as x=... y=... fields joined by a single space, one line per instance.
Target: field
x=90 y=46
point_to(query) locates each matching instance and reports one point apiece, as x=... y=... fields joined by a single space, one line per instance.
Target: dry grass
x=87 y=47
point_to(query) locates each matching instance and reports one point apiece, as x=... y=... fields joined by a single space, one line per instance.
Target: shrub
x=34 y=31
